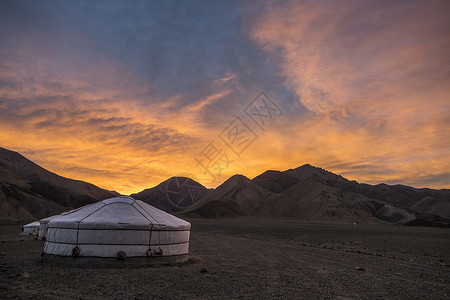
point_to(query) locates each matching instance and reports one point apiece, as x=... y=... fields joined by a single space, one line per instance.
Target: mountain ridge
x=314 y=194
x=29 y=192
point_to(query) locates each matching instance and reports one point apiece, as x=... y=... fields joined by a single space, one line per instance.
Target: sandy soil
x=248 y=259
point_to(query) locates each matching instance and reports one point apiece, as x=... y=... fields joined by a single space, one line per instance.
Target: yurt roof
x=119 y=212
x=33 y=224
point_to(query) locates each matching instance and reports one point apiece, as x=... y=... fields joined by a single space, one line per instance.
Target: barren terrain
x=247 y=259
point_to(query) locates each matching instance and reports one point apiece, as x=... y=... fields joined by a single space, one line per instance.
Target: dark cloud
x=178 y=48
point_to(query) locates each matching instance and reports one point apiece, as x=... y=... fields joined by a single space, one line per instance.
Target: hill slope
x=29 y=192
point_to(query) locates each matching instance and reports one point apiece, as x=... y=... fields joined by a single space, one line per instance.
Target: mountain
x=313 y=194
x=174 y=194
x=321 y=202
x=391 y=203
x=427 y=201
x=239 y=196
x=307 y=171
x=29 y=192
x=308 y=200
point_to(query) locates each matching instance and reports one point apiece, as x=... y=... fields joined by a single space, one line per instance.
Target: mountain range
x=306 y=193
x=315 y=195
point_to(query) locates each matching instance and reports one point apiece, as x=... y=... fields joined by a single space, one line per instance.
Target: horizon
x=126 y=95
x=232 y=175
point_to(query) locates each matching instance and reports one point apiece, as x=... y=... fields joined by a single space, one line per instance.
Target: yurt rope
x=151 y=228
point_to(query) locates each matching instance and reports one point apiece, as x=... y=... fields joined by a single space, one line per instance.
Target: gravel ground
x=249 y=259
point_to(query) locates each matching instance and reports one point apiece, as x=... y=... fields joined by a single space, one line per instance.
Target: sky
x=126 y=94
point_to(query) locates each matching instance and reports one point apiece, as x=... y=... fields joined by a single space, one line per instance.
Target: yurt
x=43 y=227
x=44 y=224
x=30 y=229
x=119 y=227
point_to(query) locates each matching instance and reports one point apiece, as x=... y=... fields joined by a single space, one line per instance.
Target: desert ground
x=249 y=259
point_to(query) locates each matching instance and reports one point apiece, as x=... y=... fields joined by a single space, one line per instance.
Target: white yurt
x=43 y=226
x=44 y=223
x=119 y=227
x=31 y=229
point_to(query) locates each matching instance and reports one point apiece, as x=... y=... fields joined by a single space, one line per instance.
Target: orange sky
x=109 y=95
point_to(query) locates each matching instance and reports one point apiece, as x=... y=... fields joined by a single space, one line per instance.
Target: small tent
x=117 y=227
x=31 y=229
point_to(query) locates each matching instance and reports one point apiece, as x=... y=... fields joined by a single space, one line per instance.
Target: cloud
x=374 y=79
x=127 y=95
x=85 y=120
x=138 y=96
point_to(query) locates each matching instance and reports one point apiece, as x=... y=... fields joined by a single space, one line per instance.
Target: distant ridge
x=313 y=194
x=29 y=192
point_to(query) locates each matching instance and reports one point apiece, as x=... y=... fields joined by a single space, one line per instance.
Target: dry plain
x=246 y=258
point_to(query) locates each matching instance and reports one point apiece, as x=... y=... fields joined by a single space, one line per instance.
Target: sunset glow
x=127 y=94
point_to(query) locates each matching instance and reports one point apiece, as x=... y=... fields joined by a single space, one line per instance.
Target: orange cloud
x=375 y=80
x=88 y=122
